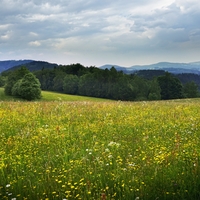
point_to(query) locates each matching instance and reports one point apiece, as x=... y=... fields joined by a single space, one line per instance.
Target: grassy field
x=52 y=96
x=99 y=150
x=3 y=97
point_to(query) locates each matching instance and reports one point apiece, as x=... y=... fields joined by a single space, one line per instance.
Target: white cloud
x=5 y=37
x=35 y=43
x=33 y=34
x=126 y=31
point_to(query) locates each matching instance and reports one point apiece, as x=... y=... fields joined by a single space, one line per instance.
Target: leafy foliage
x=171 y=87
x=190 y=90
x=13 y=77
x=2 y=80
x=71 y=83
x=16 y=88
x=23 y=84
x=29 y=87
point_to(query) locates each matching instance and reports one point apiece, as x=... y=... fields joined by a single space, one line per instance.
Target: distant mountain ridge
x=175 y=68
x=7 y=64
x=32 y=65
x=35 y=66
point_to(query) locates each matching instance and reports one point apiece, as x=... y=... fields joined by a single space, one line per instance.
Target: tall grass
x=99 y=150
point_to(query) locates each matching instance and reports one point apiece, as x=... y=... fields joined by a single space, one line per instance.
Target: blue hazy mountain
x=175 y=68
x=7 y=64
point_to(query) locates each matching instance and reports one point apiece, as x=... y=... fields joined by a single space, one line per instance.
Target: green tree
x=2 y=80
x=87 y=85
x=13 y=77
x=29 y=87
x=58 y=81
x=70 y=84
x=140 y=88
x=154 y=90
x=46 y=78
x=171 y=87
x=190 y=90
x=16 y=88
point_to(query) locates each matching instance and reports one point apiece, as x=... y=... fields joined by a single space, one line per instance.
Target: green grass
x=88 y=150
x=52 y=96
x=4 y=97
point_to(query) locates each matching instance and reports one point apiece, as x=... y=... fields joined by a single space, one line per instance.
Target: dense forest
x=112 y=84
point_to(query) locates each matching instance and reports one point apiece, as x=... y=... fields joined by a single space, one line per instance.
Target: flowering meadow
x=100 y=150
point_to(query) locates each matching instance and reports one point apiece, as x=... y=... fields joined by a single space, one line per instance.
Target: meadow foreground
x=100 y=150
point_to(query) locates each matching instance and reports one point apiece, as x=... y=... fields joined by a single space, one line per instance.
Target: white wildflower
x=110 y=156
x=107 y=150
x=113 y=144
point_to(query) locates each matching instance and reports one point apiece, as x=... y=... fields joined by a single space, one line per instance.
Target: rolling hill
x=33 y=65
x=175 y=68
x=7 y=64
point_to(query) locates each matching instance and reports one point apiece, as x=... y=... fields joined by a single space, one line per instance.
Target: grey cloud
x=169 y=24
x=92 y=26
x=174 y=36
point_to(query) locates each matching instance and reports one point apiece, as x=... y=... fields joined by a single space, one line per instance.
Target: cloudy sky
x=98 y=32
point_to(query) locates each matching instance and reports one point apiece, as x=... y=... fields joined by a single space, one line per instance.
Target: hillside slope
x=34 y=66
x=7 y=64
x=53 y=96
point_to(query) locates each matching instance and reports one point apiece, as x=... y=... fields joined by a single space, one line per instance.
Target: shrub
x=29 y=87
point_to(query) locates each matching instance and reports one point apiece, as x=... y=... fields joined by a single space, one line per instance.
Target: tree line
x=109 y=83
